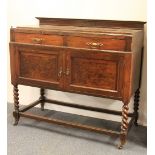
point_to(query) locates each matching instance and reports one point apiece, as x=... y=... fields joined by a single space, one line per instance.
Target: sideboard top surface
x=74 y=29
x=83 y=26
x=91 y=23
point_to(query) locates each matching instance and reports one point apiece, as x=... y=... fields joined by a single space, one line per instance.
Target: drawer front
x=102 y=43
x=44 y=39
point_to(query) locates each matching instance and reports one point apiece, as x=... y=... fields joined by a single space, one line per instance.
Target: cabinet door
x=95 y=72
x=36 y=66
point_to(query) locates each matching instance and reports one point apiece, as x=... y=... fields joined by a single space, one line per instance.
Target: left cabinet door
x=36 y=66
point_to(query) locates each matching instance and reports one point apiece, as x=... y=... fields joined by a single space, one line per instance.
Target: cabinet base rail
x=102 y=110
x=71 y=124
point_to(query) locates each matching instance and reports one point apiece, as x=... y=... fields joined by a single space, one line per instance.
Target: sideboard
x=93 y=57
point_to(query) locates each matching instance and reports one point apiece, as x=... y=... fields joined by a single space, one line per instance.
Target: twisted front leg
x=124 y=126
x=16 y=104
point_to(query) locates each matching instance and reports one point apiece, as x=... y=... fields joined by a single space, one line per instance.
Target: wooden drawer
x=34 y=38
x=103 y=43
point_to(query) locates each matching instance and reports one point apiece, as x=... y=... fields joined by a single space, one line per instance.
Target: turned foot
x=16 y=118
x=122 y=141
x=120 y=146
x=136 y=124
x=42 y=106
x=15 y=122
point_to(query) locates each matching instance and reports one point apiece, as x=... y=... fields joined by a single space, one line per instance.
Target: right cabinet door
x=95 y=72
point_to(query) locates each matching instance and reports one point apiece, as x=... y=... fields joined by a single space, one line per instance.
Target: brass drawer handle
x=37 y=40
x=67 y=71
x=60 y=72
x=94 y=44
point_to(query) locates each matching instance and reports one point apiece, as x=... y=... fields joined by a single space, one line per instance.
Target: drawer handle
x=67 y=71
x=94 y=44
x=60 y=72
x=37 y=40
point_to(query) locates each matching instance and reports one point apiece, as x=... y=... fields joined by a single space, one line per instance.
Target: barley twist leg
x=42 y=98
x=136 y=105
x=124 y=126
x=16 y=104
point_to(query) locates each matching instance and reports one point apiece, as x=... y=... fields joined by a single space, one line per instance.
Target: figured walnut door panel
x=101 y=74
x=38 y=66
x=94 y=72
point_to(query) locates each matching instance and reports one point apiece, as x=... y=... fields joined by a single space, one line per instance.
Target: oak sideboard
x=94 y=57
